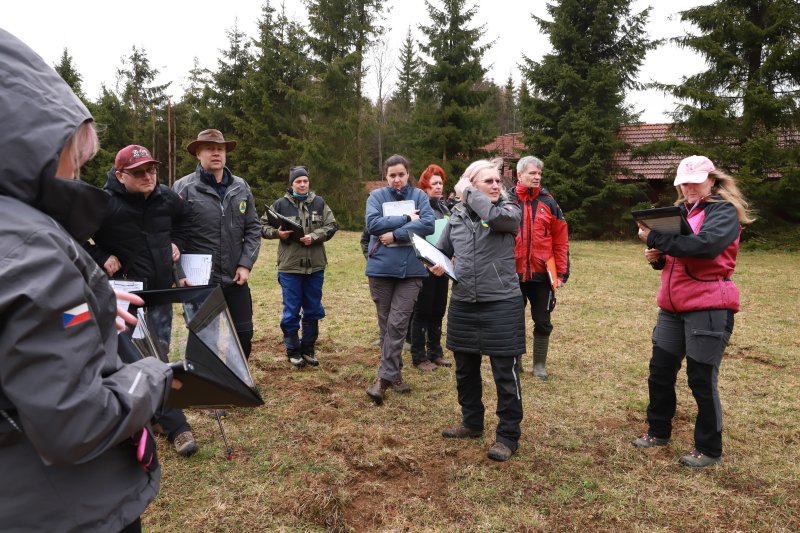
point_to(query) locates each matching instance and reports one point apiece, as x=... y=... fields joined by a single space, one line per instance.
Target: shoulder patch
x=76 y=315
x=243 y=206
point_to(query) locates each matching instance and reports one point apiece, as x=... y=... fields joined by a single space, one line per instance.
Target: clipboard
x=398 y=209
x=278 y=221
x=552 y=273
x=431 y=255
x=669 y=220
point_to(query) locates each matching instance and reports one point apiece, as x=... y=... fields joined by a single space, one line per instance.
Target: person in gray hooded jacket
x=486 y=314
x=68 y=405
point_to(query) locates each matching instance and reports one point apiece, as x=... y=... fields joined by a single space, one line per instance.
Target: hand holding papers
x=399 y=209
x=125 y=285
x=197 y=268
x=430 y=255
x=552 y=274
x=664 y=220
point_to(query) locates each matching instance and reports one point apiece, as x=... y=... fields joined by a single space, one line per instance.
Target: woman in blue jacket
x=395 y=274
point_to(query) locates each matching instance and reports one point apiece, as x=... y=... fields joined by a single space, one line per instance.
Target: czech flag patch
x=76 y=315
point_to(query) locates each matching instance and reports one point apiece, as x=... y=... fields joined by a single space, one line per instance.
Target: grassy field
x=320 y=456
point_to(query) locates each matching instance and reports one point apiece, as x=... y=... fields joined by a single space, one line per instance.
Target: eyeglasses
x=140 y=173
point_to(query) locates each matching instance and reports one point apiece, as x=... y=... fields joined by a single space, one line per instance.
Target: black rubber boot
x=292 y=343
x=309 y=340
x=540 y=347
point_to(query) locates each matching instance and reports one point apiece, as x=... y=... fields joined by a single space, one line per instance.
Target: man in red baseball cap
x=137 y=242
x=136 y=169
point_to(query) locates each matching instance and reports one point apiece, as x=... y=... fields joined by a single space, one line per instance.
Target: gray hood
x=38 y=113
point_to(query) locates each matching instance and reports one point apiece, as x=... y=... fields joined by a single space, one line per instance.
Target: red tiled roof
x=657 y=167
x=508 y=146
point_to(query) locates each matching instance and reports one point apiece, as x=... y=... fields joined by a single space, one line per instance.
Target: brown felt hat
x=210 y=136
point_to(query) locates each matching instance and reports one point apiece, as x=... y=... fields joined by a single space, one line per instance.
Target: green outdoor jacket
x=317 y=220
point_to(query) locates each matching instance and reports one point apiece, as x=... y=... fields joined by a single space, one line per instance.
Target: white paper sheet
x=127 y=286
x=398 y=209
x=431 y=255
x=197 y=268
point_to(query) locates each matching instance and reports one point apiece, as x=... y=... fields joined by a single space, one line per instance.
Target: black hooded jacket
x=139 y=231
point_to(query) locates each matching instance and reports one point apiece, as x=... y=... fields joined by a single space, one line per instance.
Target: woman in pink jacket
x=697 y=301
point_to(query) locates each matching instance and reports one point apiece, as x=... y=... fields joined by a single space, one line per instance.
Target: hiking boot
x=310 y=359
x=378 y=389
x=697 y=459
x=185 y=444
x=460 y=431
x=297 y=360
x=499 y=452
x=426 y=366
x=441 y=361
x=401 y=386
x=648 y=441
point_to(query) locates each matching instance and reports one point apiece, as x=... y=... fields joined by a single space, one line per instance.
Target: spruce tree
x=577 y=105
x=341 y=31
x=740 y=110
x=275 y=101
x=401 y=135
x=69 y=73
x=451 y=123
x=144 y=101
x=509 y=118
x=407 y=75
x=232 y=69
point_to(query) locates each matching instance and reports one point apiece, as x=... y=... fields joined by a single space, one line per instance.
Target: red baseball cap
x=133 y=156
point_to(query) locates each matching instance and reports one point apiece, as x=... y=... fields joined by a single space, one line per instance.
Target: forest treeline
x=294 y=93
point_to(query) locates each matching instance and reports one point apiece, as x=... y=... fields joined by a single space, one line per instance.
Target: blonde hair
x=476 y=168
x=725 y=186
x=81 y=146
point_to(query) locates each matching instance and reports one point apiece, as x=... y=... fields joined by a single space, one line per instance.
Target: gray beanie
x=297 y=172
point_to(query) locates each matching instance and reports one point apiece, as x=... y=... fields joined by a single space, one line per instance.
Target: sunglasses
x=140 y=173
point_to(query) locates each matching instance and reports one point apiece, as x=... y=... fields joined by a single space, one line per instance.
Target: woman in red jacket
x=697 y=301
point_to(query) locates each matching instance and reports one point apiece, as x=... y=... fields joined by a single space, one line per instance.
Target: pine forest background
x=294 y=94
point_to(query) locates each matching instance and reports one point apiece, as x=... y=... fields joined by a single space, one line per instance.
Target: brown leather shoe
x=441 y=361
x=499 y=452
x=401 y=386
x=460 y=431
x=378 y=389
x=426 y=366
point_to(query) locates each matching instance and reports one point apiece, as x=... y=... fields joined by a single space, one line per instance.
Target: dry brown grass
x=320 y=457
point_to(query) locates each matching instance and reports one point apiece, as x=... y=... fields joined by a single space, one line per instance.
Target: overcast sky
x=98 y=33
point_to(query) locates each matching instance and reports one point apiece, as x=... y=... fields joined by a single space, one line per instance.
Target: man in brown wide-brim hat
x=224 y=224
x=210 y=136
